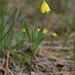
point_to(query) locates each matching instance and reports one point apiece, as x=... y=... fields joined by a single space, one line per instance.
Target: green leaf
x=11 y=27
x=27 y=30
x=9 y=19
x=9 y=38
x=37 y=43
x=39 y=38
x=34 y=22
x=33 y=35
x=40 y=33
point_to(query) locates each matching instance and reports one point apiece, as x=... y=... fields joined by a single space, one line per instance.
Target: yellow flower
x=44 y=31
x=54 y=35
x=38 y=30
x=45 y=7
x=24 y=30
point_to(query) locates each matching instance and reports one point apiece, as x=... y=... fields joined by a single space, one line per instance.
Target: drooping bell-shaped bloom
x=24 y=30
x=54 y=34
x=44 y=31
x=45 y=7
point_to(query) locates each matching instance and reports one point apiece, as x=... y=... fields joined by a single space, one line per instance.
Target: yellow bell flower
x=24 y=30
x=45 y=7
x=44 y=31
x=38 y=30
x=54 y=35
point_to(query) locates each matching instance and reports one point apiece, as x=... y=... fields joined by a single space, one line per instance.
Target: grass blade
x=40 y=33
x=11 y=26
x=69 y=32
x=37 y=43
x=27 y=30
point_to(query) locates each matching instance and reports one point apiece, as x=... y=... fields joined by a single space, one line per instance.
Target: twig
x=58 y=48
x=15 y=65
x=63 y=72
x=2 y=68
x=10 y=71
x=7 y=64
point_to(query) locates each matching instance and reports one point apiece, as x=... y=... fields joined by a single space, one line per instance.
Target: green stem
x=31 y=65
x=37 y=16
x=35 y=33
x=63 y=28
